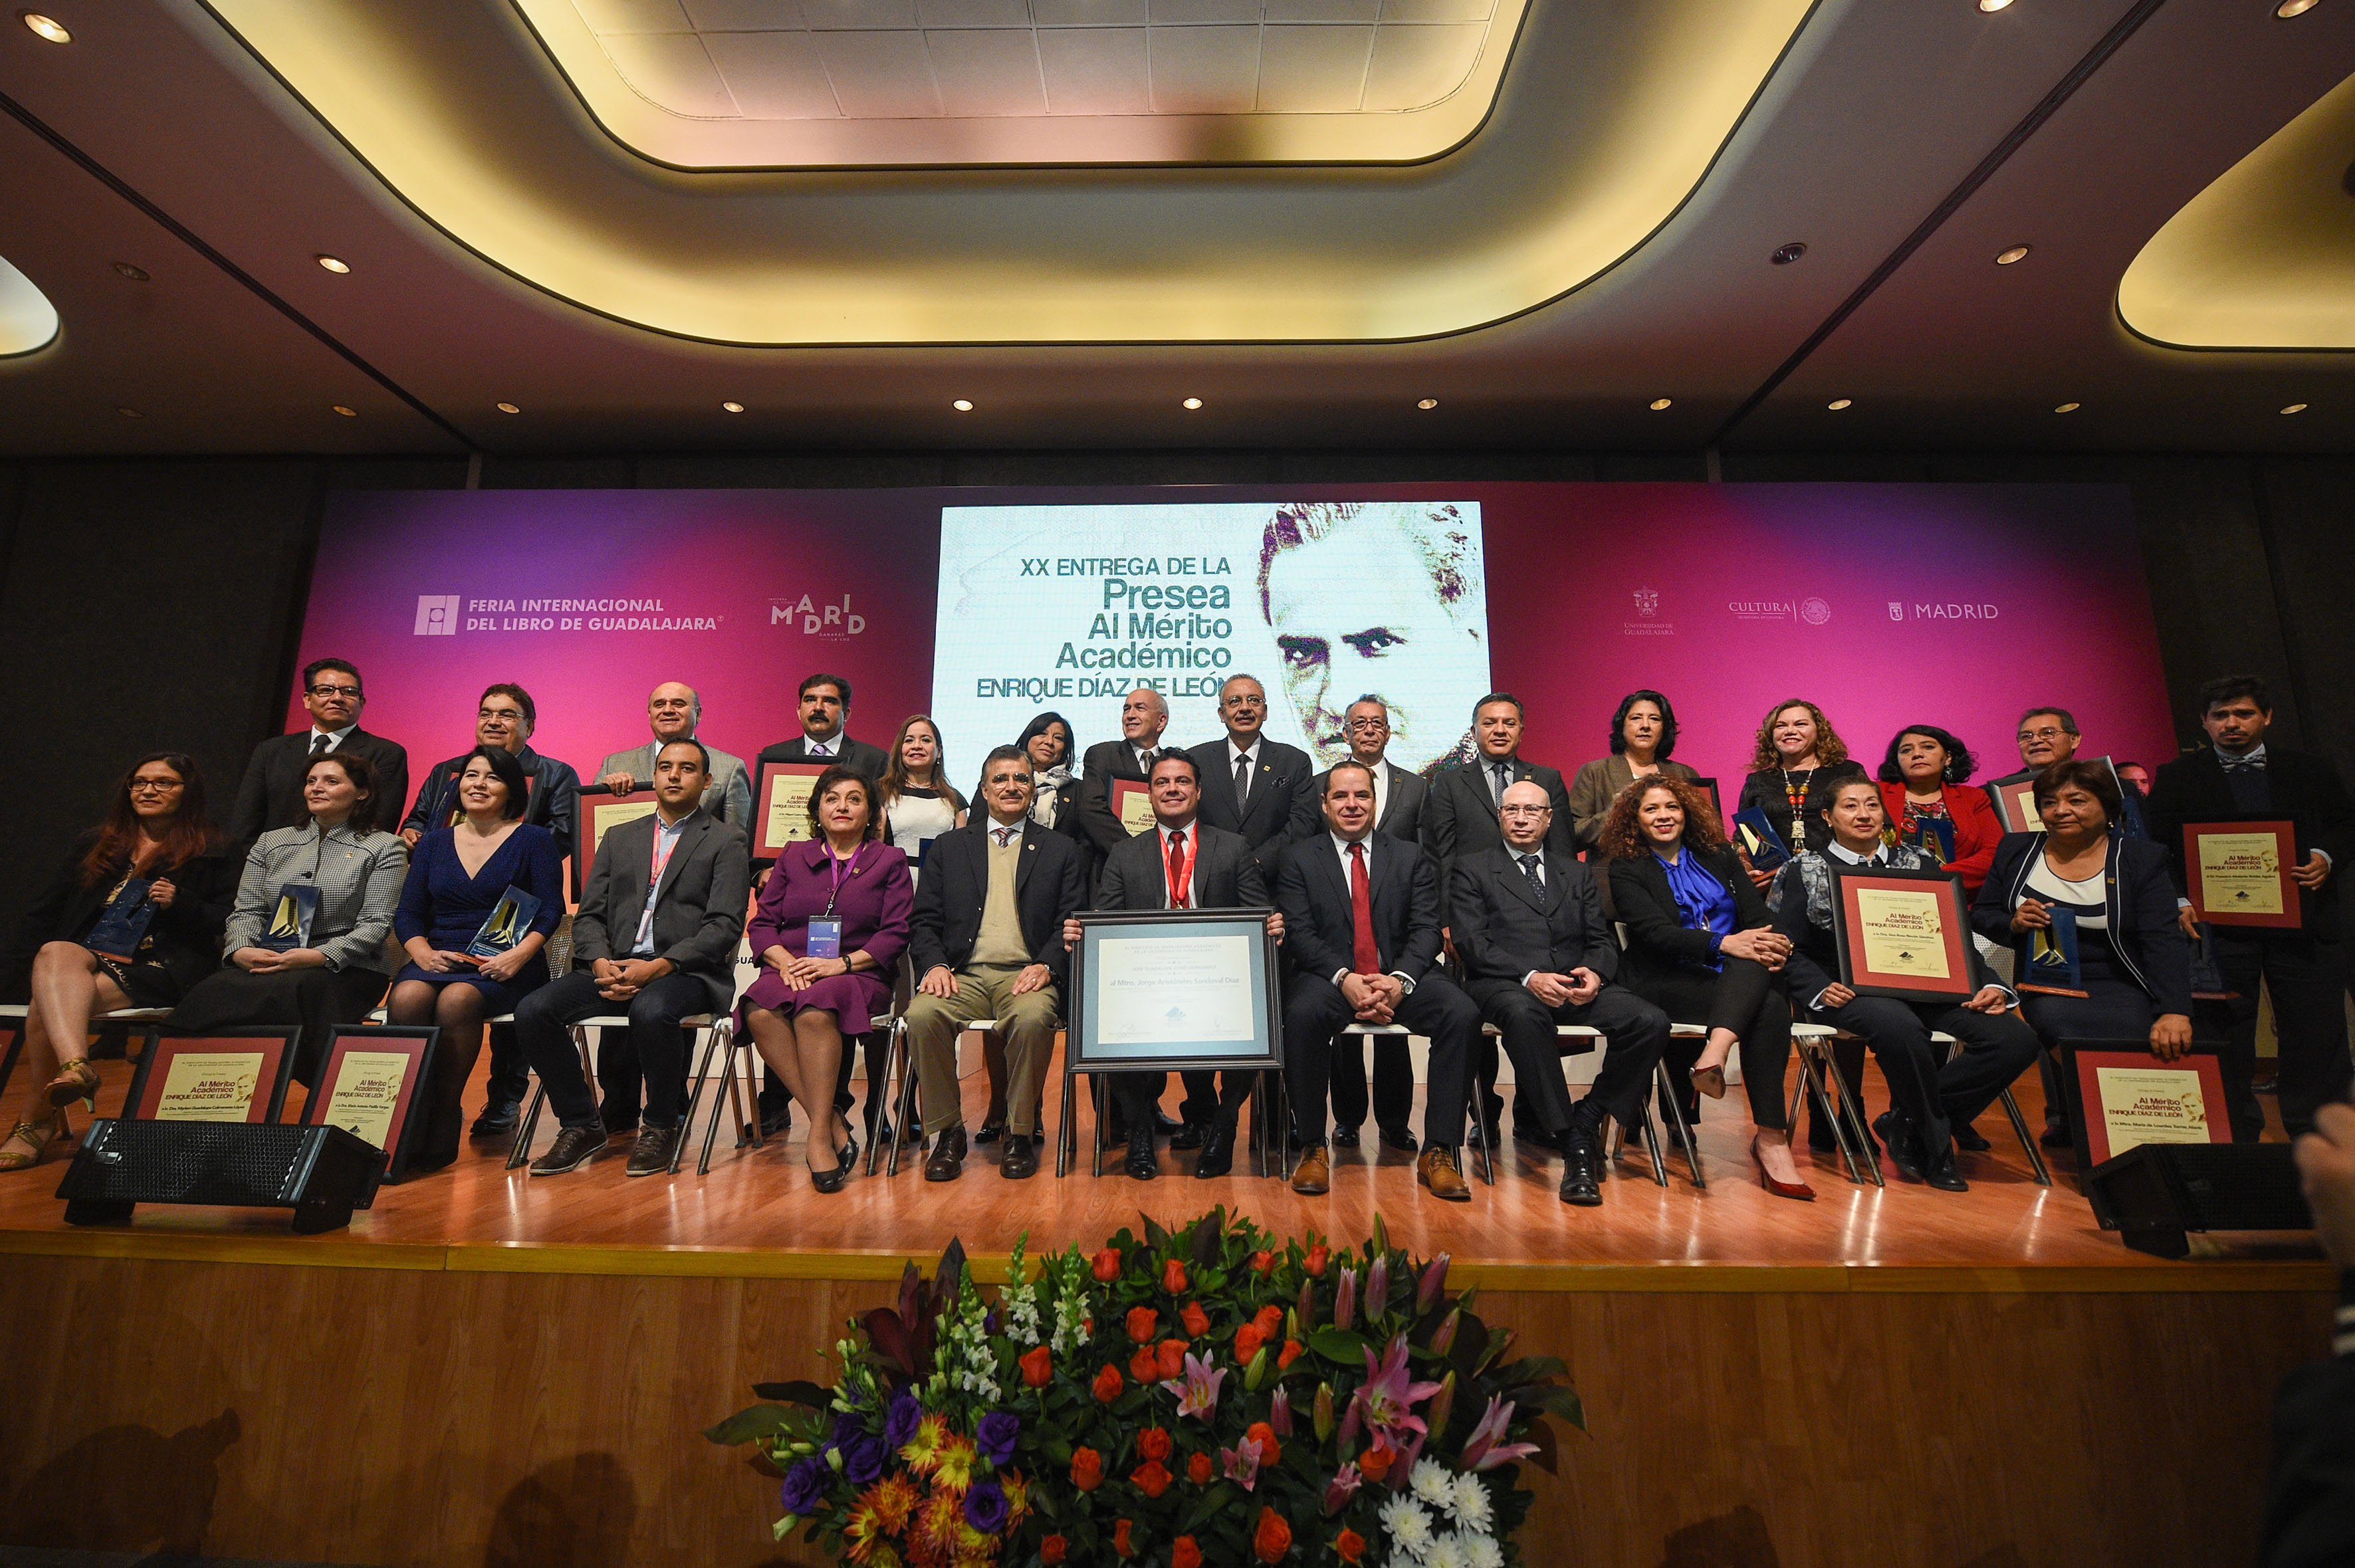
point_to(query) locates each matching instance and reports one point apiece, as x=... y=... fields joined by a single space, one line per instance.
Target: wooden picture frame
x=2240 y=873
x=353 y=1092
x=2081 y=1063
x=173 y=1083
x=1903 y=933
x=781 y=805
x=1131 y=801
x=2014 y=796
x=598 y=812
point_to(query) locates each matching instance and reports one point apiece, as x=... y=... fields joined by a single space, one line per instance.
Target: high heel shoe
x=75 y=1080
x=1710 y=1081
x=830 y=1180
x=39 y=1135
x=1798 y=1189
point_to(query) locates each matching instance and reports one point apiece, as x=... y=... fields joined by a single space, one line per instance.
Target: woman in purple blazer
x=829 y=927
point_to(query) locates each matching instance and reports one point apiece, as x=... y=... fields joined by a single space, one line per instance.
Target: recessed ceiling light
x=53 y=30
x=2286 y=10
x=136 y=273
x=345 y=409
x=334 y=263
x=1659 y=403
x=2295 y=409
x=1838 y=403
x=2066 y=408
x=1993 y=4
x=1191 y=403
x=508 y=409
x=129 y=413
x=963 y=405
x=2006 y=258
x=1427 y=404
x=733 y=408
x=1784 y=255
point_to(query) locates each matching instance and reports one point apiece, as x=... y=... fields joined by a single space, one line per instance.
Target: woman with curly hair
x=1702 y=948
x=1798 y=760
x=1921 y=782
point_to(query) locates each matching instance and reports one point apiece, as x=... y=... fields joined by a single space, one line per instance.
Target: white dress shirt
x=1193 y=831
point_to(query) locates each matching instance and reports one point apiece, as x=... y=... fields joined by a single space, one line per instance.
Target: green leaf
x=752 y=1425
x=1218 y=1498
x=1155 y=1236
x=799 y=1391
x=1339 y=1345
x=1564 y=1402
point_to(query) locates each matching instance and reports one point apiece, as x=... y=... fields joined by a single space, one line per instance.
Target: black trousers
x=2308 y=982
x=1212 y=1095
x=1393 y=1099
x=1748 y=998
x=1315 y=1012
x=1635 y=1031
x=318 y=999
x=1930 y=1101
x=511 y=1078
x=655 y=1041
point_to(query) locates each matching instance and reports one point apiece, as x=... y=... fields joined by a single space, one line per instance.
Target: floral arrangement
x=1202 y=1394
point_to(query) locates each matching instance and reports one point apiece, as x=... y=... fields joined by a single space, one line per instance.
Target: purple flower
x=994 y=1437
x=805 y=1487
x=900 y=1422
x=984 y=1507
x=846 y=1426
x=862 y=1459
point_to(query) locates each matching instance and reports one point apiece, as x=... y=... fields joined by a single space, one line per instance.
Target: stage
x=489 y=1368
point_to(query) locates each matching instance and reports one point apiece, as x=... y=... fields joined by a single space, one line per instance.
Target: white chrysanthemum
x=1480 y=1552
x=1447 y=1552
x=1471 y=1506
x=1431 y=1483
x=1406 y=1525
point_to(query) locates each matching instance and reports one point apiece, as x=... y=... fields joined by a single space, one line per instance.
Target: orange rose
x=1037 y=1366
x=1289 y=1354
x=1051 y=1550
x=1087 y=1469
x=1248 y=1339
x=1171 y=1357
x=1120 y=1539
x=1152 y=1477
x=1318 y=1256
x=1185 y=1553
x=1272 y=1539
x=1349 y=1545
x=1374 y=1464
x=1198 y=1470
x=1173 y=1277
x=1143 y=1323
x=1108 y=1384
x=1107 y=1265
x=1197 y=1321
x=1263 y=1263
x=1153 y=1443
x=1261 y=1433
x=1270 y=1319
x=1143 y=1366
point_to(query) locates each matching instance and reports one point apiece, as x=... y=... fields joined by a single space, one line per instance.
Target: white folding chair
x=688 y=1025
x=1948 y=1046
x=1811 y=1043
x=1587 y=1038
x=14 y=1014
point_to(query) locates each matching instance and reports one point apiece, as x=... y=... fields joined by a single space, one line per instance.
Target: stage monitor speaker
x=2159 y=1191
x=319 y=1172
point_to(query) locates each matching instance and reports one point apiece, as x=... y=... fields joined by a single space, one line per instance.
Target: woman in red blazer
x=1921 y=781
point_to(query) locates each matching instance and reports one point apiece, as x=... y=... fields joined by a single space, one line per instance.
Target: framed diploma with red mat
x=1902 y=933
x=238 y=1075
x=2119 y=1096
x=781 y=805
x=2240 y=873
x=373 y=1076
x=1132 y=806
x=598 y=812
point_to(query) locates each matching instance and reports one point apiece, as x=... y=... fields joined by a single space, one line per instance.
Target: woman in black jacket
x=1701 y=947
x=148 y=889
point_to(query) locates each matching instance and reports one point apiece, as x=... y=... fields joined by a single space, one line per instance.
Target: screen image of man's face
x=1357 y=613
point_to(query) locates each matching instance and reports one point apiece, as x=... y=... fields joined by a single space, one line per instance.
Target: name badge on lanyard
x=825 y=931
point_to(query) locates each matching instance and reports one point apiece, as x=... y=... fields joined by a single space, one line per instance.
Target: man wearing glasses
x=271 y=794
x=2049 y=735
x=503 y=719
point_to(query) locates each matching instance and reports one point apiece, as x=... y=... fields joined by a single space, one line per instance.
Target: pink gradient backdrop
x=1568 y=568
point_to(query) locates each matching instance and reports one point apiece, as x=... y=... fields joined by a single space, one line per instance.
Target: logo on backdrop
x=437 y=616
x=831 y=621
x=1896 y=611
x=1815 y=611
x=1947 y=612
x=1649 y=624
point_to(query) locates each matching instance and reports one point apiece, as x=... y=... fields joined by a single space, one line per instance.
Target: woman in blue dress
x=457 y=875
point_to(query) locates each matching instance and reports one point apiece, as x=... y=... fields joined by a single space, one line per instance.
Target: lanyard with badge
x=825 y=931
x=665 y=840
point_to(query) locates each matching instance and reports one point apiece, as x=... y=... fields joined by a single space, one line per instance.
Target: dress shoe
x=1021 y=1161
x=1165 y=1123
x=990 y=1132
x=1899 y=1142
x=75 y=1080
x=496 y=1120
x=948 y=1155
x=1581 y=1179
x=1345 y=1137
x=574 y=1148
x=1967 y=1138
x=1798 y=1189
x=1141 y=1163
x=2054 y=1137
x=651 y=1155
x=1710 y=1081
x=1313 y=1175
x=1940 y=1173
x=1189 y=1134
x=1218 y=1155
x=1436 y=1169
x=775 y=1124
x=1400 y=1138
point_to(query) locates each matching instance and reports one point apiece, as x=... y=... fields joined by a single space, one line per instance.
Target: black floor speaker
x=2159 y=1191
x=319 y=1172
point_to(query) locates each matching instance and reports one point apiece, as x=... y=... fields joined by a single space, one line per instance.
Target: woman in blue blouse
x=457 y=876
x=1701 y=947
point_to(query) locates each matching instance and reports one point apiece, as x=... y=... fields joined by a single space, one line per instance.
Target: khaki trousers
x=985 y=995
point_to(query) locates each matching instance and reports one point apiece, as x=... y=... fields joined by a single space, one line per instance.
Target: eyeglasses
x=2047 y=733
x=1366 y=724
x=157 y=787
x=1528 y=811
x=509 y=714
x=323 y=691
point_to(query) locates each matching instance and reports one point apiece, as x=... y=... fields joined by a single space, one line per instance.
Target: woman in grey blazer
x=342 y=965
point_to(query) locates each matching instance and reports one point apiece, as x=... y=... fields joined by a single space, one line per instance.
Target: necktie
x=1529 y=870
x=1365 y=958
x=1177 y=868
x=817 y=749
x=1004 y=836
x=319 y=745
x=1504 y=778
x=1243 y=780
x=2248 y=762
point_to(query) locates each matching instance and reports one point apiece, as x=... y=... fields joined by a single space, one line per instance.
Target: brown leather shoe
x=1435 y=1169
x=1313 y=1175
x=948 y=1155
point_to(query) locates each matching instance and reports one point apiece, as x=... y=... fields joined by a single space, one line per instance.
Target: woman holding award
x=1922 y=791
x=482 y=898
x=306 y=942
x=132 y=919
x=829 y=928
x=1798 y=760
x=1643 y=734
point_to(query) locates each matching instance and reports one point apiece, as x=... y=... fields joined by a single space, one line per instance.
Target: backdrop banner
x=1886 y=604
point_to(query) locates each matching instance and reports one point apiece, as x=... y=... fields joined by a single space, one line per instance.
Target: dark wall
x=152 y=603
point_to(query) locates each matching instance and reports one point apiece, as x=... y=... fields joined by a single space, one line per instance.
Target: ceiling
x=1598 y=241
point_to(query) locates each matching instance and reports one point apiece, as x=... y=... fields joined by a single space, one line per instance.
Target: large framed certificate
x=598 y=812
x=373 y=1076
x=1902 y=933
x=2240 y=871
x=781 y=805
x=235 y=1076
x=2120 y=1096
x=2014 y=796
x=1160 y=990
x=1132 y=806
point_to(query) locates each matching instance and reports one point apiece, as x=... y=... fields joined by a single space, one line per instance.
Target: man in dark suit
x=272 y=793
x=1361 y=931
x=987 y=942
x=1183 y=863
x=655 y=938
x=1537 y=952
x=1398 y=813
x=2237 y=776
x=1460 y=816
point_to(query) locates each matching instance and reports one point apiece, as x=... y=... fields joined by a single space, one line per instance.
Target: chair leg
x=1652 y=1144
x=1854 y=1111
x=1811 y=1084
x=895 y=1040
x=8 y=1063
x=904 y=1107
x=1100 y=1096
x=2027 y=1144
x=721 y=1099
x=719 y=1032
x=528 y=1126
x=1480 y=1141
x=1677 y=1118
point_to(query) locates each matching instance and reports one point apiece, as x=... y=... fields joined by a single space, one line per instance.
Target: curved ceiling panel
x=2264 y=258
x=27 y=319
x=703 y=85
x=1610 y=117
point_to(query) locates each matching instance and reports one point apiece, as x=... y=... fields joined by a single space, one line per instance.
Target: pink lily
x=1405 y=1462
x=1378 y=1287
x=1341 y=1488
x=1240 y=1463
x=1345 y=1299
x=1386 y=1399
x=1485 y=1450
x=1198 y=1393
x=1434 y=1280
x=1279 y=1412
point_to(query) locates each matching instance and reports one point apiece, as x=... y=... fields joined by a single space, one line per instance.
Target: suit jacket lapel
x=688 y=837
x=1513 y=877
x=1028 y=846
